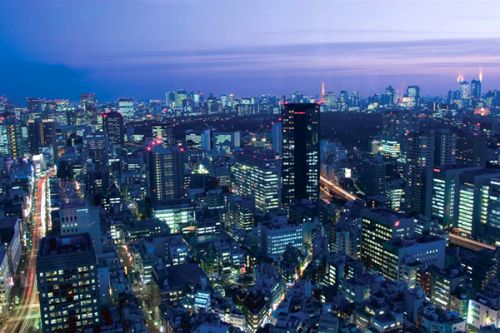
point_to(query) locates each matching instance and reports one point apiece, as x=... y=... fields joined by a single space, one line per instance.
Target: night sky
x=142 y=48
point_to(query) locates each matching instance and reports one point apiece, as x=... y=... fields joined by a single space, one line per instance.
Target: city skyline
x=142 y=49
x=238 y=166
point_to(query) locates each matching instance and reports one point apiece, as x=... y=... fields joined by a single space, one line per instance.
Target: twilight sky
x=142 y=48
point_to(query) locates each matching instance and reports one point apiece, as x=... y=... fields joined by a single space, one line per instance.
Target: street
x=25 y=315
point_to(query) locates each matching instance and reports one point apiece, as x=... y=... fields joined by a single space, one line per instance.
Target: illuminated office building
x=445 y=184
x=257 y=174
x=10 y=136
x=67 y=281
x=276 y=235
x=477 y=190
x=378 y=227
x=176 y=214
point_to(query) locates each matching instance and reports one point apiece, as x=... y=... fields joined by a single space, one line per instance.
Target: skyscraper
x=68 y=287
x=426 y=149
x=445 y=146
x=477 y=203
x=475 y=87
x=277 y=138
x=165 y=172
x=10 y=136
x=126 y=107
x=465 y=92
x=418 y=173
x=301 y=165
x=413 y=93
x=445 y=184
x=41 y=133
x=256 y=173
x=380 y=226
x=113 y=126
x=471 y=148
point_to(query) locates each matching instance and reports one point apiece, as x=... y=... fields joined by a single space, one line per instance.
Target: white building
x=485 y=309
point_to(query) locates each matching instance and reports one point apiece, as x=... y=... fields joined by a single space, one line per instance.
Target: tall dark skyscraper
x=113 y=126
x=419 y=162
x=301 y=165
x=166 y=172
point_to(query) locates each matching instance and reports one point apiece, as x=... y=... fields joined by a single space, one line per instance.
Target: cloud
x=22 y=78
x=401 y=58
x=364 y=66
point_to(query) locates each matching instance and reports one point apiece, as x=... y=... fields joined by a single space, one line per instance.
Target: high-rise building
x=165 y=172
x=301 y=150
x=475 y=87
x=477 y=190
x=419 y=162
x=98 y=148
x=471 y=148
x=445 y=147
x=113 y=126
x=277 y=138
x=424 y=150
x=445 y=186
x=388 y=97
x=256 y=173
x=68 y=288
x=378 y=227
x=396 y=123
x=413 y=93
x=492 y=228
x=465 y=92
x=10 y=136
x=126 y=107
x=343 y=100
x=41 y=132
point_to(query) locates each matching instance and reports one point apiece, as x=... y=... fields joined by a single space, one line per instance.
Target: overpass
x=336 y=190
x=468 y=243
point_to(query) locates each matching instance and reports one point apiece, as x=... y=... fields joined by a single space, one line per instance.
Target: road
x=337 y=190
x=25 y=315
